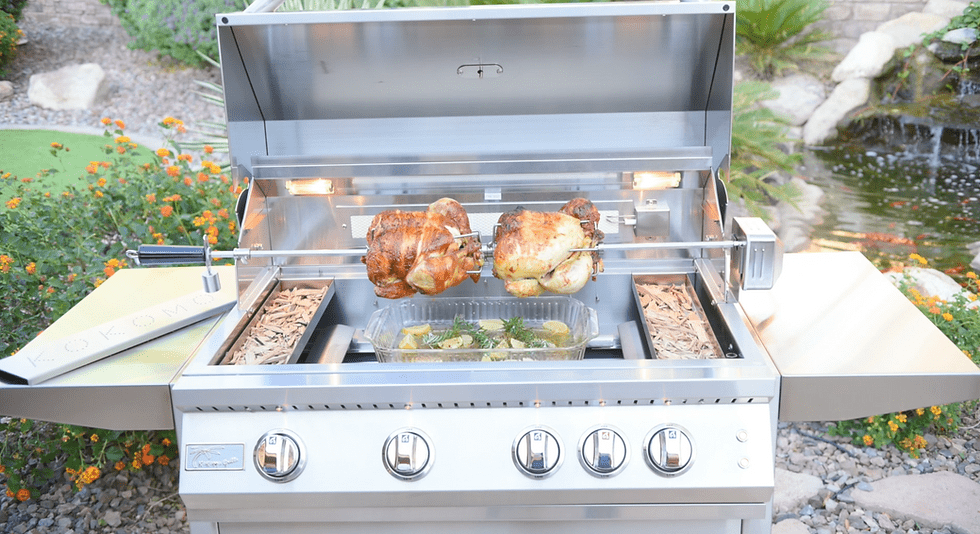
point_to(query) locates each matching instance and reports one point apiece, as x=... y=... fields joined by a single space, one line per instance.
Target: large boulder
x=799 y=96
x=6 y=90
x=910 y=27
x=868 y=57
x=848 y=95
x=70 y=87
x=945 y=8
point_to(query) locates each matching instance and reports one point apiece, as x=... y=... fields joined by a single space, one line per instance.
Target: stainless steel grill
x=336 y=117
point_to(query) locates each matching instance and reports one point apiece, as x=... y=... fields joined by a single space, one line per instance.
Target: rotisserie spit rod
x=149 y=255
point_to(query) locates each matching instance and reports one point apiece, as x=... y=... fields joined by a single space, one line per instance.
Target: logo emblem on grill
x=215 y=457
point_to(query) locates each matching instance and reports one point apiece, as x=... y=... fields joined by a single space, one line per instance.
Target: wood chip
x=678 y=327
x=272 y=339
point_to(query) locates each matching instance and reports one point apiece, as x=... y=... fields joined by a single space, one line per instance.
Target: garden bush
x=776 y=35
x=9 y=35
x=14 y=7
x=56 y=247
x=175 y=28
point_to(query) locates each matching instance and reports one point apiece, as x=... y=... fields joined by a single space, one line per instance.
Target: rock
x=961 y=36
x=113 y=518
x=848 y=95
x=908 y=29
x=794 y=489
x=928 y=282
x=868 y=57
x=790 y=526
x=6 y=90
x=70 y=87
x=945 y=8
x=799 y=95
x=915 y=497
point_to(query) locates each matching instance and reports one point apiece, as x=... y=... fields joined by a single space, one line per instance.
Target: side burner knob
x=279 y=456
x=407 y=454
x=537 y=453
x=669 y=450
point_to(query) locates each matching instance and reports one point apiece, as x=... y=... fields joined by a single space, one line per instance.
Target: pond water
x=918 y=193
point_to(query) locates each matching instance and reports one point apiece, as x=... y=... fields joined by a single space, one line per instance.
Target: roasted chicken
x=533 y=250
x=422 y=252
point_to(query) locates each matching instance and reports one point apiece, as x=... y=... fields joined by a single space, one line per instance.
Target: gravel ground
x=143 y=90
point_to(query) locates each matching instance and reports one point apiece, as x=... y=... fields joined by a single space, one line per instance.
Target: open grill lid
x=611 y=84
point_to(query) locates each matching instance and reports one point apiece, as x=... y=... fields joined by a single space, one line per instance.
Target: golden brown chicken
x=411 y=252
x=533 y=250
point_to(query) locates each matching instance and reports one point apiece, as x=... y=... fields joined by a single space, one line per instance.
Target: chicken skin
x=422 y=252
x=533 y=250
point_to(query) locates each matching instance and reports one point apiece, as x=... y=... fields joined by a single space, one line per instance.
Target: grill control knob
x=407 y=454
x=669 y=450
x=603 y=452
x=537 y=452
x=279 y=456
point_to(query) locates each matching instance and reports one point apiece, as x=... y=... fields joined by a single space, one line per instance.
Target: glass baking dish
x=385 y=328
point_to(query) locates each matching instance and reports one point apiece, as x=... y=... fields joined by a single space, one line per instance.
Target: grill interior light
x=316 y=186
x=648 y=180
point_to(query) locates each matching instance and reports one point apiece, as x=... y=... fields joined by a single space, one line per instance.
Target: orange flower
x=10 y=493
x=948 y=316
x=166 y=210
x=51 y=291
x=100 y=182
x=23 y=494
x=121 y=149
x=56 y=145
x=123 y=139
x=136 y=463
x=166 y=443
x=173 y=170
x=163 y=460
x=935 y=310
x=120 y=124
x=223 y=213
x=109 y=271
x=185 y=157
x=31 y=268
x=208 y=149
x=172 y=198
x=188 y=181
x=151 y=198
x=120 y=466
x=148 y=459
x=163 y=152
x=202 y=177
x=12 y=203
x=868 y=440
x=971 y=275
x=98 y=194
x=104 y=164
x=106 y=121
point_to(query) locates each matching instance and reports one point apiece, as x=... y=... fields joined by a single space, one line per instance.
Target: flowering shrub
x=959 y=320
x=56 y=246
x=9 y=35
x=14 y=7
x=175 y=28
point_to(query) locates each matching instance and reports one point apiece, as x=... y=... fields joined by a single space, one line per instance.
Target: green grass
x=24 y=153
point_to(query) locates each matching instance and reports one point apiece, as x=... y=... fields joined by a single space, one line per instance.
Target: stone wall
x=848 y=19
x=69 y=13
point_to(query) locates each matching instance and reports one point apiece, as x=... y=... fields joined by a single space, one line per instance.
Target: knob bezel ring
x=300 y=462
x=589 y=468
x=520 y=436
x=653 y=465
x=428 y=462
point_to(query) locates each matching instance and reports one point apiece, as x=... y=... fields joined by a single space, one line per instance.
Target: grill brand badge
x=215 y=457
